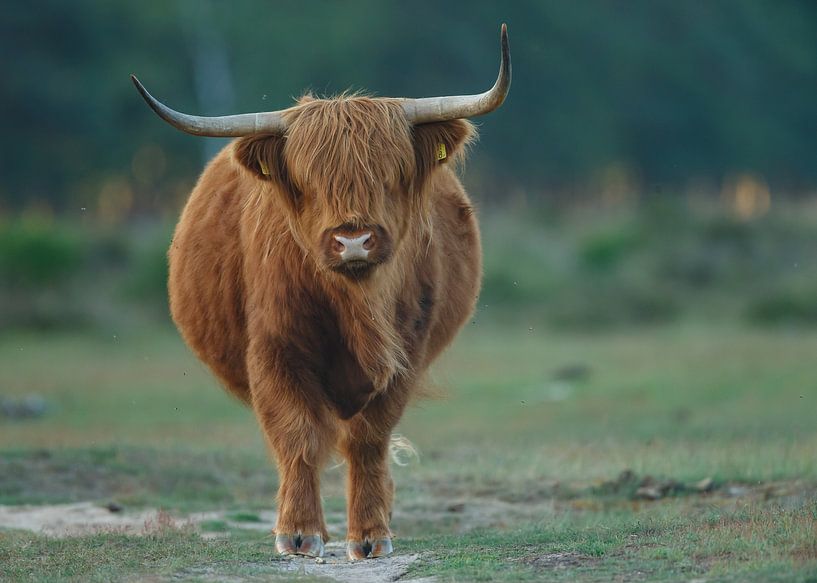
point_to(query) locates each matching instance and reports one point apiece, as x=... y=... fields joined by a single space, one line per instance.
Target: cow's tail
x=401 y=450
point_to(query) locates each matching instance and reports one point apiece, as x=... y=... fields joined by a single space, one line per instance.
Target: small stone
x=114 y=507
x=457 y=507
x=319 y=561
x=705 y=485
x=571 y=372
x=28 y=407
x=648 y=493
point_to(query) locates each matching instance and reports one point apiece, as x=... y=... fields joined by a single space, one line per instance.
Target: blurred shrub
x=517 y=278
x=604 y=305
x=643 y=266
x=654 y=264
x=39 y=263
x=520 y=259
x=45 y=310
x=606 y=249
x=146 y=280
x=55 y=275
x=34 y=254
x=689 y=263
x=784 y=306
x=715 y=251
x=585 y=274
x=111 y=250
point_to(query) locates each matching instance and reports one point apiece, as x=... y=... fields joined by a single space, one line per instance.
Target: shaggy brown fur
x=327 y=361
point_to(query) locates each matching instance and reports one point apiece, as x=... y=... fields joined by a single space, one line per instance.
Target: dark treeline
x=661 y=95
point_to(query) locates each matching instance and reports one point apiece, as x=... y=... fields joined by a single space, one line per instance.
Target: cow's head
x=351 y=171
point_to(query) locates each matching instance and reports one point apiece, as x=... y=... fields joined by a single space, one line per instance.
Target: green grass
x=105 y=557
x=136 y=477
x=518 y=475
x=672 y=542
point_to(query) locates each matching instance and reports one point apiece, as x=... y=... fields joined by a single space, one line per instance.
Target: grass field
x=681 y=452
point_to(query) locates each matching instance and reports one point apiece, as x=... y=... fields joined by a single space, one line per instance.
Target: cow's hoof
x=356 y=550
x=296 y=544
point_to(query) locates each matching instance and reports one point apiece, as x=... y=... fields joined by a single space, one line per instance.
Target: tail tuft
x=401 y=450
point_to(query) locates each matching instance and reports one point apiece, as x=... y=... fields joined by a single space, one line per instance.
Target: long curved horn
x=431 y=109
x=245 y=124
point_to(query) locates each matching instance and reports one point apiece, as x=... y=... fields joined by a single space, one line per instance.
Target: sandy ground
x=74 y=519
x=392 y=568
x=333 y=566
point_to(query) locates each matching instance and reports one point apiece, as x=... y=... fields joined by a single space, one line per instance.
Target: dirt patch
x=82 y=518
x=553 y=561
x=335 y=566
x=464 y=514
x=61 y=520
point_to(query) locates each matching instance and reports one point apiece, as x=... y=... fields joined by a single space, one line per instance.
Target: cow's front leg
x=369 y=498
x=370 y=489
x=300 y=528
x=300 y=432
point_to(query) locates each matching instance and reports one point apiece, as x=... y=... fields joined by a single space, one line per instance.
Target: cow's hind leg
x=301 y=433
x=370 y=489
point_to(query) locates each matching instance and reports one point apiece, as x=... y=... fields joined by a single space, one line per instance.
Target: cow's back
x=206 y=286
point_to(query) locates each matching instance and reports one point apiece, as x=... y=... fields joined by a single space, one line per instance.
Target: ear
x=439 y=143
x=262 y=156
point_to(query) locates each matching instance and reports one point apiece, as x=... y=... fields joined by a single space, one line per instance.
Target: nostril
x=352 y=247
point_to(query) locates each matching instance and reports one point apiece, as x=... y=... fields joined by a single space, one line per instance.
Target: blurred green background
x=654 y=159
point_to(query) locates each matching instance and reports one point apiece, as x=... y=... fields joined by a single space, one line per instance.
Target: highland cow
x=323 y=260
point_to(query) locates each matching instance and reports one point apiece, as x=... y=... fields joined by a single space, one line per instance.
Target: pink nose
x=353 y=246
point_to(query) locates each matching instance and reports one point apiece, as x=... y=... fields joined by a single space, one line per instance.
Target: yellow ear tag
x=264 y=168
x=441 y=153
